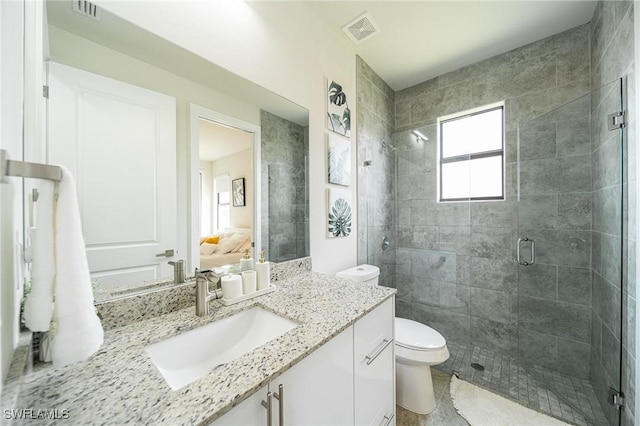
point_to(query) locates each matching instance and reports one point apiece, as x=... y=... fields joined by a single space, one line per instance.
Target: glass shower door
x=287 y=212
x=569 y=247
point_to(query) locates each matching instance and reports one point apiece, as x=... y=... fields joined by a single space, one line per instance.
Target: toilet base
x=414 y=388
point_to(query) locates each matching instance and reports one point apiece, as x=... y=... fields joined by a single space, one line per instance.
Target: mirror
x=275 y=206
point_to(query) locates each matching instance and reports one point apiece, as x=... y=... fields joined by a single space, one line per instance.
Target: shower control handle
x=532 y=259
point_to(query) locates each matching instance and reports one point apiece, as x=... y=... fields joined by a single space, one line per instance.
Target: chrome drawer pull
x=383 y=345
x=388 y=419
x=280 y=397
x=267 y=405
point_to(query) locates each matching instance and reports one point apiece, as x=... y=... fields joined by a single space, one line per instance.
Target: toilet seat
x=418 y=337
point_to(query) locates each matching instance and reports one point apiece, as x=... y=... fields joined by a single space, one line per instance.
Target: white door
x=119 y=141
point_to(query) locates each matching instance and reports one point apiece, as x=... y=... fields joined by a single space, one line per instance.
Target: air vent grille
x=86 y=8
x=361 y=28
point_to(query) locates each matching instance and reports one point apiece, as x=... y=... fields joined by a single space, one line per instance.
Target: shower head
x=420 y=137
x=387 y=146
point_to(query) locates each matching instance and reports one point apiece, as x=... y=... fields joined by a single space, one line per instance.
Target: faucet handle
x=178 y=271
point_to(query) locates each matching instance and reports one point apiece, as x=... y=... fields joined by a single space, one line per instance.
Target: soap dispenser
x=264 y=274
x=246 y=263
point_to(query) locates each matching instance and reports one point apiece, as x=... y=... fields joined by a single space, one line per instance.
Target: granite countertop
x=120 y=384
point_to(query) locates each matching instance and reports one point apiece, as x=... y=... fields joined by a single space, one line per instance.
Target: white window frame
x=475 y=155
x=216 y=199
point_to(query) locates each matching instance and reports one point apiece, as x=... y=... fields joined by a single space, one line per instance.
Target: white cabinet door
x=319 y=390
x=374 y=359
x=119 y=141
x=248 y=412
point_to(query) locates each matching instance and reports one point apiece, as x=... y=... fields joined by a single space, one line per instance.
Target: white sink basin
x=187 y=357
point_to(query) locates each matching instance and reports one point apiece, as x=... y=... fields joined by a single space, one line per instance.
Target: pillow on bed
x=207 y=248
x=226 y=245
x=232 y=244
x=245 y=246
x=212 y=240
x=242 y=241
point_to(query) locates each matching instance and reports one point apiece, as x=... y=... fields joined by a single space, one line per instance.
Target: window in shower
x=471 y=155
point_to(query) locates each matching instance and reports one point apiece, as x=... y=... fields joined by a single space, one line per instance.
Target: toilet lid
x=414 y=335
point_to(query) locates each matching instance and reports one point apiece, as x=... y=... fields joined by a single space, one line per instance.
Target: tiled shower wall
x=612 y=54
x=284 y=196
x=455 y=265
x=376 y=181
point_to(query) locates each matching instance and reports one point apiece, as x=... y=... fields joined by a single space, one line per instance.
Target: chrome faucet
x=203 y=295
x=178 y=271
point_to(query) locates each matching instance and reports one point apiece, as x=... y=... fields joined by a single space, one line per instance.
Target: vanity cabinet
x=347 y=380
x=374 y=365
x=316 y=391
x=319 y=390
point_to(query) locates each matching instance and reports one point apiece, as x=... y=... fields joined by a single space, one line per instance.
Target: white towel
x=60 y=267
x=79 y=332
x=38 y=308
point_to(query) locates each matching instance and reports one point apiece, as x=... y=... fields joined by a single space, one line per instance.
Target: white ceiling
x=115 y=33
x=419 y=40
x=218 y=141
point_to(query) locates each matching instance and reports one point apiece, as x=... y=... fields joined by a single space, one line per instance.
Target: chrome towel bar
x=27 y=170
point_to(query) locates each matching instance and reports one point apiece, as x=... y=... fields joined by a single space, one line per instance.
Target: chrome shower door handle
x=532 y=259
x=533 y=252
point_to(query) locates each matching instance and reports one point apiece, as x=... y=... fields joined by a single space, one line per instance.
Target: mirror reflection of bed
x=224 y=247
x=225 y=154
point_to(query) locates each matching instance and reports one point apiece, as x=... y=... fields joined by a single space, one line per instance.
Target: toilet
x=417 y=348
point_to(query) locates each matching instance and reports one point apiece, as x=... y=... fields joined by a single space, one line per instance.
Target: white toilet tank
x=367 y=274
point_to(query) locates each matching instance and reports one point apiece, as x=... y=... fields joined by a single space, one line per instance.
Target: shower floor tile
x=538 y=389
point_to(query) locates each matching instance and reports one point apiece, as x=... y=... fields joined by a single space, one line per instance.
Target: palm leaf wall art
x=338 y=112
x=339 y=160
x=339 y=213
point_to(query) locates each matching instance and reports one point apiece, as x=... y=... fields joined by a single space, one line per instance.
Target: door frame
x=197 y=112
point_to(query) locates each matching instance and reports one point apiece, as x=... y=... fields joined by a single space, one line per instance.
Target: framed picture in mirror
x=237 y=189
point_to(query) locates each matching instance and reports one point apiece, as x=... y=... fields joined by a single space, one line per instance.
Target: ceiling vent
x=361 y=28
x=86 y=8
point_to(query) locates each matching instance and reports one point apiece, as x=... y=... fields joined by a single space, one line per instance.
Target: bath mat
x=480 y=407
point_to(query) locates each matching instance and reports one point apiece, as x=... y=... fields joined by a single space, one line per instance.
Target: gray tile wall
x=555 y=210
x=284 y=193
x=376 y=182
x=479 y=302
x=612 y=54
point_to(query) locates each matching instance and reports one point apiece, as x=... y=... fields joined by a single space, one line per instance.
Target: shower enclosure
x=284 y=188
x=288 y=212
x=529 y=290
x=571 y=199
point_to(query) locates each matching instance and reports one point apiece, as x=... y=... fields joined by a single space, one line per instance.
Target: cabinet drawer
x=374 y=390
x=372 y=330
x=374 y=362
